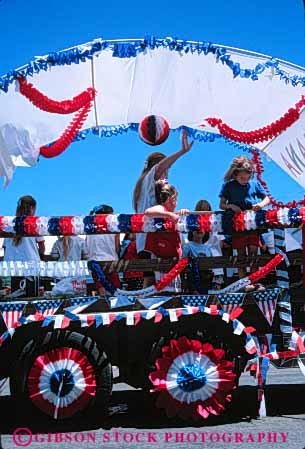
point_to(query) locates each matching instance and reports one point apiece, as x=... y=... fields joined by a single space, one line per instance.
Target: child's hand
x=257 y=206
x=235 y=208
x=183 y=212
x=186 y=146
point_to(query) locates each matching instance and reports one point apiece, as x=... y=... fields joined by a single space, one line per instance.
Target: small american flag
x=11 y=313
x=47 y=308
x=230 y=301
x=266 y=301
x=194 y=300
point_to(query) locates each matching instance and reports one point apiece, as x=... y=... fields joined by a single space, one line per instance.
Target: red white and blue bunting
x=61 y=382
x=138 y=223
x=193 y=378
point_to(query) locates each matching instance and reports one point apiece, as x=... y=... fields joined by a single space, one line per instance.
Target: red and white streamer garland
x=81 y=104
x=261 y=134
x=68 y=135
x=259 y=168
x=46 y=104
x=253 y=277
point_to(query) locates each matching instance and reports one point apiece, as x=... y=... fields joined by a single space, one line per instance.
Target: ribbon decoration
x=259 y=168
x=253 y=277
x=46 y=104
x=32 y=226
x=81 y=103
x=262 y=134
x=144 y=292
x=68 y=135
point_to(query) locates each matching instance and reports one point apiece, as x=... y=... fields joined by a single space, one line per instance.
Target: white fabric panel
x=185 y=88
x=288 y=150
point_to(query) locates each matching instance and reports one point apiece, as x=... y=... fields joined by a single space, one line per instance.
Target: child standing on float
x=165 y=244
x=156 y=167
x=239 y=193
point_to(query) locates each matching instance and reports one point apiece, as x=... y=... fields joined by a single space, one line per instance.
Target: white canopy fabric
x=183 y=87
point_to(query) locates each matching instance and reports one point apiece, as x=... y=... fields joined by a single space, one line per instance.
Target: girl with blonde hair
x=239 y=193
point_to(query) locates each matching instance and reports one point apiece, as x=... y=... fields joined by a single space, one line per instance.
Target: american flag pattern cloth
x=230 y=301
x=47 y=308
x=266 y=301
x=11 y=313
x=194 y=300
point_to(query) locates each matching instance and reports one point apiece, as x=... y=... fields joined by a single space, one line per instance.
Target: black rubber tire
x=57 y=339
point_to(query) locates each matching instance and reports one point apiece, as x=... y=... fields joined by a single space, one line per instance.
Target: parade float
x=187 y=349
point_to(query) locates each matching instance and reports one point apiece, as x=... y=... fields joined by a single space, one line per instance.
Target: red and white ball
x=154 y=130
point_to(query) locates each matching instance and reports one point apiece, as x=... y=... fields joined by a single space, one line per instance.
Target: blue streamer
x=19 y=224
x=260 y=218
x=125 y=49
x=124 y=222
x=90 y=226
x=95 y=267
x=54 y=226
x=294 y=216
x=192 y=222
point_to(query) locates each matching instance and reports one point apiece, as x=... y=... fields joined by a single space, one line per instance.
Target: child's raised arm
x=167 y=162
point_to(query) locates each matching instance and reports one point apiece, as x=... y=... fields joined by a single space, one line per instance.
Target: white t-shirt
x=147 y=198
x=27 y=250
x=101 y=247
x=76 y=248
x=214 y=244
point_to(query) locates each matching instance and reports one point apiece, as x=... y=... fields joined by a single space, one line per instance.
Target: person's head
x=152 y=160
x=101 y=209
x=26 y=206
x=241 y=169
x=203 y=205
x=197 y=236
x=166 y=195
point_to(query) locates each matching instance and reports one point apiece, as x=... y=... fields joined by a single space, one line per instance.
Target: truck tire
x=62 y=374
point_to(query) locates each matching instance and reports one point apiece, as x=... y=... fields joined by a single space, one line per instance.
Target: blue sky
x=105 y=170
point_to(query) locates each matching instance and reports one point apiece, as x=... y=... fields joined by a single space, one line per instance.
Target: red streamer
x=271 y=217
x=137 y=222
x=302 y=214
x=260 y=135
x=172 y=274
x=259 y=168
x=266 y=269
x=45 y=103
x=69 y=134
x=65 y=224
x=239 y=222
x=204 y=222
x=100 y=222
x=30 y=225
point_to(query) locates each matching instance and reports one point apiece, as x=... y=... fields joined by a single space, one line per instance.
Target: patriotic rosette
x=193 y=378
x=61 y=382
